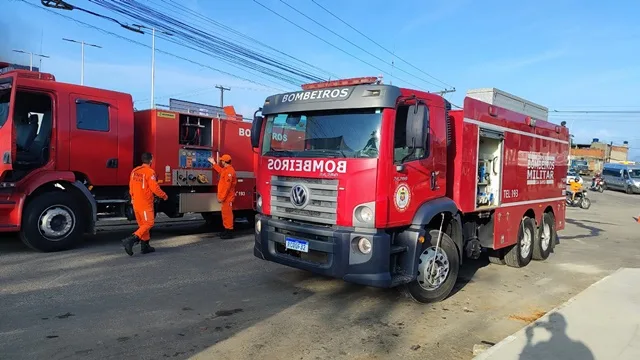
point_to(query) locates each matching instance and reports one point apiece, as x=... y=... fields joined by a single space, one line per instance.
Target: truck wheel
x=496 y=256
x=52 y=222
x=546 y=237
x=520 y=254
x=444 y=273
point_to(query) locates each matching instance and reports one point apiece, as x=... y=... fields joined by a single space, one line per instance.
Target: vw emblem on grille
x=299 y=196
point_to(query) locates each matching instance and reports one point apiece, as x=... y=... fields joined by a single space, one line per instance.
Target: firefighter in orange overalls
x=226 y=192
x=142 y=187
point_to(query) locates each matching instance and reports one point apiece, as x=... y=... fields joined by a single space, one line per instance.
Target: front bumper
x=332 y=252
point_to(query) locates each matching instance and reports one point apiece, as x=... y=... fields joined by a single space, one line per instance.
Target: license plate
x=298 y=245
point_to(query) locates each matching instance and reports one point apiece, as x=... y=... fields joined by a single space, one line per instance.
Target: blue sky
x=566 y=55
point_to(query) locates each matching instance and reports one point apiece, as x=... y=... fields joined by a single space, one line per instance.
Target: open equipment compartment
x=489 y=169
x=196 y=131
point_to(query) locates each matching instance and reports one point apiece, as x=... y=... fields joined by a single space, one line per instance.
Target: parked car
x=571 y=174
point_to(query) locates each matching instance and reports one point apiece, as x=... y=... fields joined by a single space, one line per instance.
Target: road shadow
x=468 y=270
x=110 y=233
x=582 y=224
x=559 y=346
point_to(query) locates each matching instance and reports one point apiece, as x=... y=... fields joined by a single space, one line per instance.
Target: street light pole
x=82 y=44
x=153 y=67
x=153 y=55
x=30 y=57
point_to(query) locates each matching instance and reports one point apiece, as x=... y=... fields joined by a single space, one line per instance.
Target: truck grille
x=321 y=203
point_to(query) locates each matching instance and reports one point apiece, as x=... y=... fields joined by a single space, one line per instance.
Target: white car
x=573 y=175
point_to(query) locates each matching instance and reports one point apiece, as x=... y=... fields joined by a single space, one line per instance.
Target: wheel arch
x=76 y=189
x=429 y=216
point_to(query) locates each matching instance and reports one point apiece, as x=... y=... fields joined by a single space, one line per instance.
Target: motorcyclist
x=575 y=187
x=595 y=180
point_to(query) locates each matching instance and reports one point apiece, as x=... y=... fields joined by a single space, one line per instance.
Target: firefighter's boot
x=129 y=242
x=145 y=248
x=226 y=234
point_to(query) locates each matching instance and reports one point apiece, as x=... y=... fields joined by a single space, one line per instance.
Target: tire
x=585 y=203
x=601 y=189
x=526 y=235
x=544 y=242
x=448 y=259
x=53 y=221
x=496 y=257
x=628 y=190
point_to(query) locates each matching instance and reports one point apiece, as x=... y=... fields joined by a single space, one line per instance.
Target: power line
x=208 y=20
x=352 y=43
x=149 y=46
x=382 y=47
x=218 y=47
x=597 y=111
x=327 y=42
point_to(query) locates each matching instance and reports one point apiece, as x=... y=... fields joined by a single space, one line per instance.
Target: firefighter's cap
x=225 y=158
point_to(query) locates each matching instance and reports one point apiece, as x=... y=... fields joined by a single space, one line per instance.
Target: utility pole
x=82 y=44
x=31 y=55
x=153 y=54
x=222 y=90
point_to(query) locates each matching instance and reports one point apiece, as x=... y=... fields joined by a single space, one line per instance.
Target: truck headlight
x=259 y=202
x=364 y=214
x=364 y=245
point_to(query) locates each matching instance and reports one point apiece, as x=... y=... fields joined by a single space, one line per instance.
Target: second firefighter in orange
x=226 y=192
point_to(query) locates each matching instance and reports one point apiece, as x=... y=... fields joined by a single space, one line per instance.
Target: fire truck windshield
x=5 y=101
x=326 y=133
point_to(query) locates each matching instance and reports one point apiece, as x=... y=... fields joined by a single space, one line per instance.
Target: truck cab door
x=7 y=142
x=93 y=148
x=417 y=174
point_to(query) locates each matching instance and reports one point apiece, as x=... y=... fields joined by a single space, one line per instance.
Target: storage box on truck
x=68 y=152
x=390 y=187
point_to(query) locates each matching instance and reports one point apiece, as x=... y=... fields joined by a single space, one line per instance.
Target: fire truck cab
x=385 y=186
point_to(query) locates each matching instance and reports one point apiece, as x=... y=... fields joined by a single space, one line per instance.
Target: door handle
x=112 y=163
x=434 y=180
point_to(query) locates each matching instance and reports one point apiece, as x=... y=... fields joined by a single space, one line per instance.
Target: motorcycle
x=581 y=200
x=597 y=185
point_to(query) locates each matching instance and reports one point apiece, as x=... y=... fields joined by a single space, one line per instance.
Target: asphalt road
x=202 y=297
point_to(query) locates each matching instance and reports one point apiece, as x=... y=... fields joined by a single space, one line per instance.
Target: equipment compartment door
x=7 y=147
x=94 y=138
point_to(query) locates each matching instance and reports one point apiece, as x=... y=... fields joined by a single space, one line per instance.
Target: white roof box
x=505 y=100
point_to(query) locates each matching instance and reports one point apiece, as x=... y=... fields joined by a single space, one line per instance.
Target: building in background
x=597 y=154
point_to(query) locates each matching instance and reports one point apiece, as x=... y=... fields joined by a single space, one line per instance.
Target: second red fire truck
x=387 y=186
x=68 y=151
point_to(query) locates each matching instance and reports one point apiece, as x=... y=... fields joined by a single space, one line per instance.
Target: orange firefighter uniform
x=226 y=191
x=142 y=187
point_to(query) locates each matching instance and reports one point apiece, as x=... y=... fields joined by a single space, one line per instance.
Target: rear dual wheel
x=546 y=238
x=520 y=254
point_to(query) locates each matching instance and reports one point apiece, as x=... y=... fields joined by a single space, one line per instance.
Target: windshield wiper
x=334 y=152
x=279 y=153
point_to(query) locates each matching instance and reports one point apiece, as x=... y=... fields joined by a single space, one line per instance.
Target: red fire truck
x=68 y=150
x=391 y=187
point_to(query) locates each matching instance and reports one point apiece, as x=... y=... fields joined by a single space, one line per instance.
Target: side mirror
x=417 y=126
x=256 y=128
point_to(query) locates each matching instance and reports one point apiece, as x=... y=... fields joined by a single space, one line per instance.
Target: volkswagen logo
x=299 y=196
